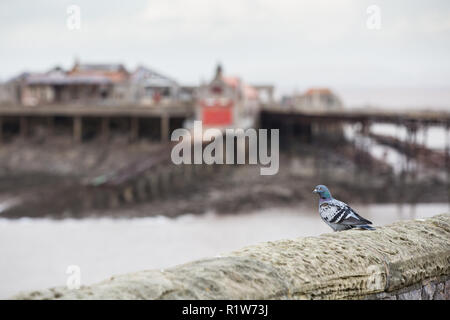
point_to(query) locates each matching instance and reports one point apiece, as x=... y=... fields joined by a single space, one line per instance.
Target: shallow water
x=35 y=253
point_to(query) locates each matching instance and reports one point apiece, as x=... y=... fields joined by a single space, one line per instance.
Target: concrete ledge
x=345 y=265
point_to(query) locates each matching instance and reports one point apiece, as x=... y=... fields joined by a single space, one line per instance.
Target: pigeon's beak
x=315 y=191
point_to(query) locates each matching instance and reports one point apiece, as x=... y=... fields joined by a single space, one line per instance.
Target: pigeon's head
x=322 y=191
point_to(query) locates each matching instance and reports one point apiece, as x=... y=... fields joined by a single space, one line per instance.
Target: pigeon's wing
x=350 y=217
x=329 y=211
x=338 y=212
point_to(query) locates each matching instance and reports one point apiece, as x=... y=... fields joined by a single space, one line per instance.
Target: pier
x=155 y=176
x=105 y=118
x=95 y=120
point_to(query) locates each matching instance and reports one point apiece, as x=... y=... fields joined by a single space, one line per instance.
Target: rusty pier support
x=134 y=129
x=165 y=127
x=23 y=127
x=447 y=160
x=77 y=129
x=1 y=130
x=105 y=129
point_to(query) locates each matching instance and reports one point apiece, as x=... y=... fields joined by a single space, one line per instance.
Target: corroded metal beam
x=352 y=115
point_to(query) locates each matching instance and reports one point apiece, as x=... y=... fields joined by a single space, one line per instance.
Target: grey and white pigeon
x=337 y=214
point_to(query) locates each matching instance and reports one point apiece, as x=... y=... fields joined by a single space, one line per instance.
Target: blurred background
x=91 y=92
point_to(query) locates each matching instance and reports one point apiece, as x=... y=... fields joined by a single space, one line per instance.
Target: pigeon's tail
x=365 y=227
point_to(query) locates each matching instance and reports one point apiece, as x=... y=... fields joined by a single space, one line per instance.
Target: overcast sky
x=292 y=44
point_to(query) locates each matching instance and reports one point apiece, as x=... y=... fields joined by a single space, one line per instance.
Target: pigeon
x=337 y=214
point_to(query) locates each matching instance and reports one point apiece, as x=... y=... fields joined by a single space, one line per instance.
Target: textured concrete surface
x=411 y=255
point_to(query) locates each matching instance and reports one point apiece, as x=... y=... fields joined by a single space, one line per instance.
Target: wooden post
x=447 y=160
x=128 y=194
x=134 y=129
x=154 y=186
x=113 y=199
x=165 y=181
x=177 y=178
x=88 y=200
x=105 y=129
x=23 y=127
x=187 y=172
x=1 y=130
x=77 y=129
x=50 y=126
x=290 y=138
x=99 y=199
x=141 y=189
x=165 y=127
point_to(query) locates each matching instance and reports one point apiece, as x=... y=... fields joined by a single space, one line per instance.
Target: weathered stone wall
x=429 y=289
x=405 y=260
